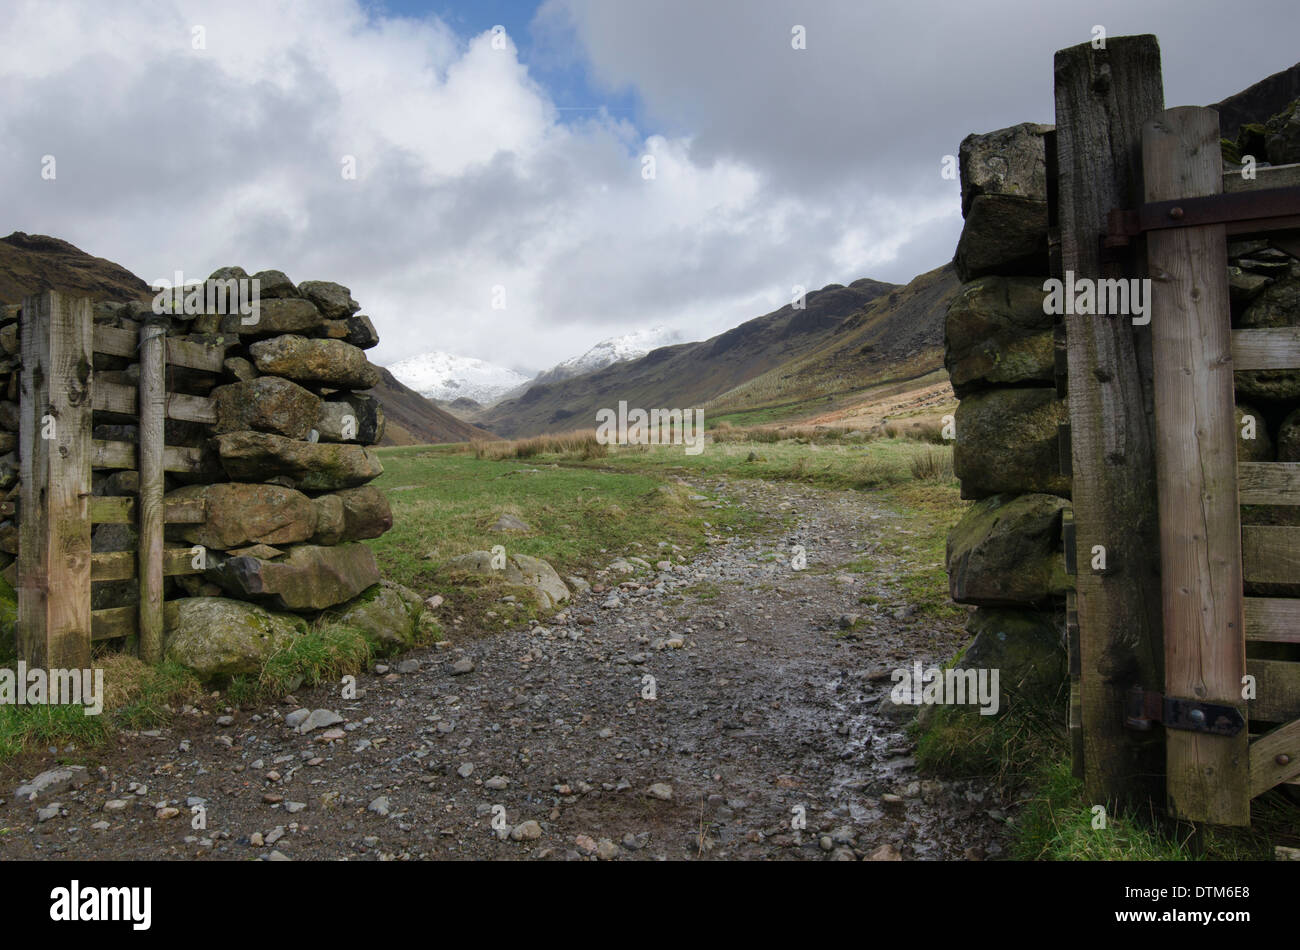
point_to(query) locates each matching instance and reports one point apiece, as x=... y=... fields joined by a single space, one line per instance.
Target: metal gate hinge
x=1143 y=707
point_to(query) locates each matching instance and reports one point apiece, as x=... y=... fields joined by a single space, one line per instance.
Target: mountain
x=844 y=340
x=630 y=346
x=446 y=377
x=31 y=263
x=413 y=420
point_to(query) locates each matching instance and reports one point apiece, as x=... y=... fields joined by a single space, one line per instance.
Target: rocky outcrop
x=520 y=570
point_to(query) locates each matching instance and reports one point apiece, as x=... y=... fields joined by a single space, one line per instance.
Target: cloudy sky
x=189 y=136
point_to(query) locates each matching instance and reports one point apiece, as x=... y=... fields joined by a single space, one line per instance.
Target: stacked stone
x=10 y=388
x=1005 y=556
x=285 y=474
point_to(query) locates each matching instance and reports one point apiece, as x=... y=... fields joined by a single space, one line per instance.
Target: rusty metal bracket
x=1143 y=707
x=1243 y=212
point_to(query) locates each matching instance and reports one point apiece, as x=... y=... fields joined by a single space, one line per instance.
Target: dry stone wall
x=285 y=474
x=1005 y=556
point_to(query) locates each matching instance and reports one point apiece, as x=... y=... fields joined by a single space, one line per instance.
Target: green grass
x=581 y=515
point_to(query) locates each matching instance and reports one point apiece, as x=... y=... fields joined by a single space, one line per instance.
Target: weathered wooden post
x=54 y=624
x=1103 y=96
x=153 y=412
x=1207 y=776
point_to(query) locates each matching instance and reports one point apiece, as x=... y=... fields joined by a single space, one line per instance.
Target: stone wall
x=285 y=475
x=1005 y=556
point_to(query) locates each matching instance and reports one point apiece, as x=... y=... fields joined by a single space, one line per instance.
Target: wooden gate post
x=1103 y=96
x=54 y=625
x=153 y=410
x=1207 y=776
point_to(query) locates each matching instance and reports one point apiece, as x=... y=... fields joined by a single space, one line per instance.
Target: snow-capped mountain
x=630 y=346
x=446 y=377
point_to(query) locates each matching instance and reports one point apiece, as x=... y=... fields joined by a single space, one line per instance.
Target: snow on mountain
x=630 y=346
x=445 y=377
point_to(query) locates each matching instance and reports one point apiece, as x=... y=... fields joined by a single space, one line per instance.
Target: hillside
x=783 y=363
x=30 y=263
x=898 y=338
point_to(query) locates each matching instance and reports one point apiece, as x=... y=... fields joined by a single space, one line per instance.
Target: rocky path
x=770 y=735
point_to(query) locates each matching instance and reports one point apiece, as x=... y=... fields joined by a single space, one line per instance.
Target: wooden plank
x=121 y=510
x=207 y=357
x=176 y=458
x=1270 y=176
x=153 y=417
x=1273 y=619
x=1271 y=553
x=110 y=623
x=1102 y=98
x=1268 y=483
x=121 y=565
x=1275 y=758
x=54 y=432
x=1272 y=348
x=114 y=397
x=1207 y=776
x=1277 y=690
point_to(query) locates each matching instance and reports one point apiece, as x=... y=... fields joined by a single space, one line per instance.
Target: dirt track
x=767 y=710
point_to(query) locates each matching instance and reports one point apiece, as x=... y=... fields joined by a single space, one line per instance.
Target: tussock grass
x=580 y=443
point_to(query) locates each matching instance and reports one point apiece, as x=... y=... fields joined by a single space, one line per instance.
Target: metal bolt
x=1282 y=759
x=1197 y=716
x=1176 y=213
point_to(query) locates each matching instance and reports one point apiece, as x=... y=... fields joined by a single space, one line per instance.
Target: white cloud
x=771 y=171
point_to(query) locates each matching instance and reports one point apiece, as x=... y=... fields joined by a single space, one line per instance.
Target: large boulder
x=520 y=570
x=996 y=333
x=276 y=315
x=1007 y=441
x=312 y=466
x=1260 y=447
x=329 y=362
x=274 y=284
x=361 y=332
x=388 y=614
x=267 y=404
x=334 y=300
x=1004 y=234
x=311 y=578
x=352 y=515
x=1027 y=647
x=1288 y=438
x=215 y=636
x=1006 y=550
x=1011 y=161
x=239 y=513
x=367 y=419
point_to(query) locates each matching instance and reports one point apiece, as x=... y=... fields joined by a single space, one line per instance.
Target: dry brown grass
x=580 y=443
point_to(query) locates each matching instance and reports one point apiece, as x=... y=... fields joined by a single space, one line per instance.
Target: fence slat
x=1273 y=619
x=176 y=458
x=1268 y=483
x=1271 y=348
x=1102 y=98
x=114 y=397
x=1271 y=553
x=121 y=510
x=149 y=504
x=206 y=357
x=110 y=623
x=1207 y=776
x=121 y=565
x=54 y=430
